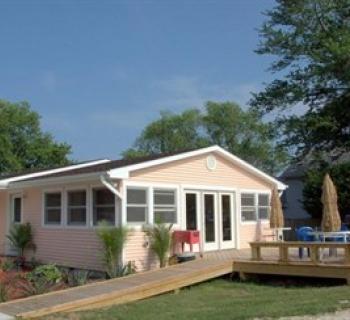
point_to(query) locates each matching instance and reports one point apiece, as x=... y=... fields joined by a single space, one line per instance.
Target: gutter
x=109 y=185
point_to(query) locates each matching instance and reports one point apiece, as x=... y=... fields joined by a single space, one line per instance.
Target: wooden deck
x=151 y=283
x=126 y=289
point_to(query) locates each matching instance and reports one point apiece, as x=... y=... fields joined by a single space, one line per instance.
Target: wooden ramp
x=126 y=289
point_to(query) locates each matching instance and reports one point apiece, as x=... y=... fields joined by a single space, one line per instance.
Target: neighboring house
x=293 y=176
x=206 y=189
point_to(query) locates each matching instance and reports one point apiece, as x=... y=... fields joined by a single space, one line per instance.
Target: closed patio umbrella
x=276 y=215
x=330 y=216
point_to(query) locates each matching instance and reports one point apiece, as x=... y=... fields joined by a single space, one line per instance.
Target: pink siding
x=253 y=232
x=138 y=252
x=65 y=246
x=3 y=214
x=195 y=171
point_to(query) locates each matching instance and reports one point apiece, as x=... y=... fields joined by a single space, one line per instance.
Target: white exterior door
x=213 y=214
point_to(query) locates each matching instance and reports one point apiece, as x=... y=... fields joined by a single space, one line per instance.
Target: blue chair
x=303 y=234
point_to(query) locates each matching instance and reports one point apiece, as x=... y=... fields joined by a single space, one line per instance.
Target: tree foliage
x=23 y=145
x=311 y=42
x=340 y=174
x=225 y=124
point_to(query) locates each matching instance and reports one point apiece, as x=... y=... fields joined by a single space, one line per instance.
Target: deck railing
x=316 y=250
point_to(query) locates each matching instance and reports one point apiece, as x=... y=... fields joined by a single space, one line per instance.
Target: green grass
x=224 y=299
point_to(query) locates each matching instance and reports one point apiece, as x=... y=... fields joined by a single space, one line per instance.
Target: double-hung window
x=137 y=205
x=103 y=206
x=53 y=208
x=76 y=208
x=263 y=206
x=164 y=205
x=255 y=206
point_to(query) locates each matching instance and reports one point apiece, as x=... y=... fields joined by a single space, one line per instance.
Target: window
x=53 y=208
x=248 y=207
x=263 y=206
x=17 y=210
x=254 y=206
x=76 y=208
x=103 y=206
x=136 y=205
x=164 y=205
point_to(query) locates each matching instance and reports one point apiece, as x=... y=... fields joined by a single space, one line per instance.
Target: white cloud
x=180 y=92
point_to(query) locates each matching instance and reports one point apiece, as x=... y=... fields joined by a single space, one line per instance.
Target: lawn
x=224 y=299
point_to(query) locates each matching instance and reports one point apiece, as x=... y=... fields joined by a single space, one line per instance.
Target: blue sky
x=98 y=71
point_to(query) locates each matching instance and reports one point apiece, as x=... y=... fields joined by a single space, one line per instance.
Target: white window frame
x=256 y=205
x=268 y=207
x=62 y=222
x=164 y=207
x=134 y=205
x=14 y=196
x=91 y=202
x=87 y=207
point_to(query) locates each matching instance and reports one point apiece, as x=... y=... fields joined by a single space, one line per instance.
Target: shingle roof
x=99 y=168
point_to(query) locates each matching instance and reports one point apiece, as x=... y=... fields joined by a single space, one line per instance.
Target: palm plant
x=113 y=240
x=21 y=237
x=160 y=237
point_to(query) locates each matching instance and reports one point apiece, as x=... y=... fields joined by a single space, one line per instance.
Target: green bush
x=160 y=237
x=7 y=264
x=21 y=237
x=47 y=272
x=113 y=240
x=312 y=190
x=4 y=292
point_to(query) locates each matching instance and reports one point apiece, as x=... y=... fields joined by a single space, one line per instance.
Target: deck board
x=151 y=283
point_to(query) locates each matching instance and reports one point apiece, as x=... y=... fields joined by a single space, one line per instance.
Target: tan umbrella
x=330 y=217
x=276 y=216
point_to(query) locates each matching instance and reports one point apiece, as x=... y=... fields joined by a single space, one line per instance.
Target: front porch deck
x=139 y=286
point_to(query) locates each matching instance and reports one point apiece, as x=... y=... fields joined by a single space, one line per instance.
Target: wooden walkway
x=126 y=289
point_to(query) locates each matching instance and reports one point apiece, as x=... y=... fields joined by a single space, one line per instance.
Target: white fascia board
x=5 y=182
x=124 y=173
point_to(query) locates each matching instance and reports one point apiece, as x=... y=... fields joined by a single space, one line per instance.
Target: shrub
x=7 y=264
x=77 y=277
x=312 y=190
x=4 y=292
x=113 y=240
x=160 y=237
x=21 y=237
x=42 y=279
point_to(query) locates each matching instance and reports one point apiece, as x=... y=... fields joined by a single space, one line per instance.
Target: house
x=207 y=189
x=294 y=175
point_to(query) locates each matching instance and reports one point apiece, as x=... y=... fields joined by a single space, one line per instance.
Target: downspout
x=109 y=185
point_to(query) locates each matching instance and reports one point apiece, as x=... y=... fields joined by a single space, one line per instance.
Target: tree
x=23 y=145
x=312 y=191
x=171 y=132
x=311 y=42
x=241 y=132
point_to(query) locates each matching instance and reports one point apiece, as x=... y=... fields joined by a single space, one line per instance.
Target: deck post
x=256 y=253
x=347 y=255
x=315 y=254
x=283 y=253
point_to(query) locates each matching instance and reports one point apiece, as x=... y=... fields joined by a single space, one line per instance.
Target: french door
x=212 y=213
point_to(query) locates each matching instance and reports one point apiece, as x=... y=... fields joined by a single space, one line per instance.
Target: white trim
x=207 y=187
x=120 y=173
x=4 y=182
x=110 y=186
x=87 y=212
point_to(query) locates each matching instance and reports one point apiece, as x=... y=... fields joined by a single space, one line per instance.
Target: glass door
x=210 y=217
x=226 y=220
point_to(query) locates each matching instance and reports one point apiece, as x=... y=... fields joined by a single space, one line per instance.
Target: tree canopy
x=312 y=191
x=241 y=132
x=23 y=145
x=311 y=42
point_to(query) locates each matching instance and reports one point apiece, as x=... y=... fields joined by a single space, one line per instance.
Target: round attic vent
x=211 y=162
